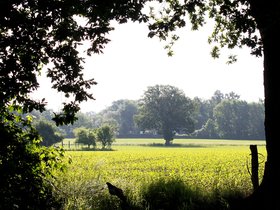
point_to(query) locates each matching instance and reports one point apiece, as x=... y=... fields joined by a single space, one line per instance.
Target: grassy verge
x=162 y=194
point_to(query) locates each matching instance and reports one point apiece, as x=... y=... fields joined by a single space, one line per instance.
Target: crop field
x=206 y=165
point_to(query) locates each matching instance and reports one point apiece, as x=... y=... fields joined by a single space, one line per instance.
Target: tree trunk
x=267 y=16
x=168 y=136
x=167 y=142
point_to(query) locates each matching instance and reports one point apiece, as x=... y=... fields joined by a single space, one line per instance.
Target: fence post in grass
x=255 y=166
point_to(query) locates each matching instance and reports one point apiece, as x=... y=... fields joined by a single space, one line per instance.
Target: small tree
x=105 y=135
x=85 y=136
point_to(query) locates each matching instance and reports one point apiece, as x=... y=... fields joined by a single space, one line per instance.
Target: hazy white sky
x=132 y=61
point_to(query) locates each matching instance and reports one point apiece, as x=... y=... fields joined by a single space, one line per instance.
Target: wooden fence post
x=255 y=166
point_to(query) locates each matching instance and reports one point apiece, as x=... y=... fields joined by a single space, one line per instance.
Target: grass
x=192 y=174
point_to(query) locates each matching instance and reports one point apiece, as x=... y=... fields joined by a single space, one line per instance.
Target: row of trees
x=165 y=110
x=104 y=135
x=226 y=116
x=52 y=134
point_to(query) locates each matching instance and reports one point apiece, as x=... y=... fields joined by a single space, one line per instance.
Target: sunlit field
x=209 y=166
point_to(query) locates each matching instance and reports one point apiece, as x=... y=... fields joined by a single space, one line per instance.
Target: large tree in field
x=251 y=23
x=167 y=110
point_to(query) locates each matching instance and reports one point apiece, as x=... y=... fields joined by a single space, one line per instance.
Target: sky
x=131 y=62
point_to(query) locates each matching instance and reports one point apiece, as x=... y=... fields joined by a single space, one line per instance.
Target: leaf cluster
x=234 y=23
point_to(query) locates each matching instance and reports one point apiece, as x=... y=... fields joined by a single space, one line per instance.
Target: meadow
x=210 y=168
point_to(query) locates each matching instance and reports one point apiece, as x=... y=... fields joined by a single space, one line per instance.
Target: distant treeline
x=223 y=116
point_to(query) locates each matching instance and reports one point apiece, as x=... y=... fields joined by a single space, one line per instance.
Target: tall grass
x=157 y=178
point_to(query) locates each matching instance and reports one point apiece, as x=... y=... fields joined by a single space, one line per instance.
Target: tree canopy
x=36 y=33
x=235 y=24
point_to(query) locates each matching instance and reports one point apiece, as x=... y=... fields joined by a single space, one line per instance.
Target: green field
x=207 y=166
